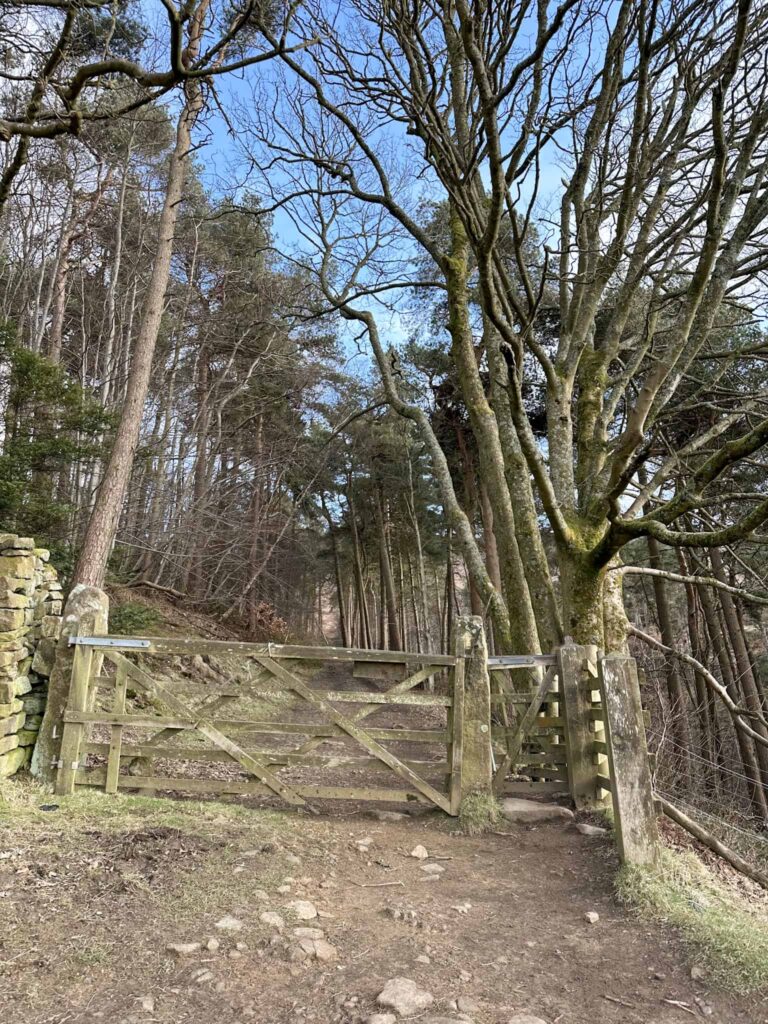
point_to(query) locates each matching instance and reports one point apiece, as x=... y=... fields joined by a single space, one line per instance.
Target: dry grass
x=727 y=935
x=479 y=812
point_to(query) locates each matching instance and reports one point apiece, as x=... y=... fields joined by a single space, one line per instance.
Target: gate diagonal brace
x=248 y=761
x=362 y=737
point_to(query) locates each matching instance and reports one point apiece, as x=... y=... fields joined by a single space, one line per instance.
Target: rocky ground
x=149 y=911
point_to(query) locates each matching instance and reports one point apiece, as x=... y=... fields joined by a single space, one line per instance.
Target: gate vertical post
x=456 y=728
x=631 y=786
x=477 y=766
x=72 y=733
x=579 y=739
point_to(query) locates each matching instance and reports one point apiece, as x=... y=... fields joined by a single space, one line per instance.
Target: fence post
x=477 y=762
x=575 y=680
x=85 y=612
x=631 y=786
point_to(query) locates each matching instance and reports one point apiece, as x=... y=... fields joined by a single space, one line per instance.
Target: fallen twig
x=374 y=885
x=681 y=1006
x=620 y=1002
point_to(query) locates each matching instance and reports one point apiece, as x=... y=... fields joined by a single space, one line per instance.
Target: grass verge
x=727 y=936
x=479 y=812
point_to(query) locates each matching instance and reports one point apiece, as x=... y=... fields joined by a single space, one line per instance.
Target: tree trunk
x=675 y=689
x=100 y=534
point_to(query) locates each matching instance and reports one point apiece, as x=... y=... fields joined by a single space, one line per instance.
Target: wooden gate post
x=576 y=693
x=477 y=763
x=631 y=786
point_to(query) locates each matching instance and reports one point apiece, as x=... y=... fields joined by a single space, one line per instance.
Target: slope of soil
x=93 y=892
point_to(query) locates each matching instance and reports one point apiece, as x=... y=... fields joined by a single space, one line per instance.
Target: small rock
x=228 y=923
x=465 y=976
x=659 y=976
x=146 y=1003
x=404 y=997
x=303 y=909
x=269 y=917
x=419 y=852
x=462 y=908
x=432 y=869
x=202 y=975
x=704 y=1008
x=525 y=1018
x=387 y=816
x=591 y=917
x=698 y=973
x=292 y=858
x=241 y=946
x=283 y=889
x=531 y=812
x=212 y=945
x=184 y=948
x=235 y=954
x=324 y=951
x=381 y=1018
x=591 y=830
x=423 y=959
x=467 y=1005
x=309 y=933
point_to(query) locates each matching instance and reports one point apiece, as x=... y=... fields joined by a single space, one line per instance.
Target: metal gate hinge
x=108 y=641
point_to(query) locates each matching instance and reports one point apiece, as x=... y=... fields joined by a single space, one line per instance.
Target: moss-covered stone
x=34 y=703
x=8 y=743
x=26 y=737
x=14 y=600
x=13 y=760
x=12 y=724
x=21 y=685
x=11 y=618
x=11 y=708
x=45 y=654
x=20 y=566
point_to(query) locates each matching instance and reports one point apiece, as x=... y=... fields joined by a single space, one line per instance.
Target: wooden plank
x=523 y=698
x=251 y=764
x=577 y=707
x=359 y=734
x=175 y=645
x=96 y=777
x=456 y=749
x=355 y=697
x=524 y=726
x=271 y=757
x=72 y=733
x=631 y=786
x=505 y=662
x=546 y=758
x=118 y=706
x=372 y=670
x=519 y=788
x=255 y=726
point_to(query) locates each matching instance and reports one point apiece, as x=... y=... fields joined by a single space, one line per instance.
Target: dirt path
x=91 y=895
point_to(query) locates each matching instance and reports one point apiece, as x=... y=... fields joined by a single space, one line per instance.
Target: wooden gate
x=125 y=716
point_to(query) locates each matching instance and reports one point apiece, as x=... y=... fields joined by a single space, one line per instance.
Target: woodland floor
x=92 y=893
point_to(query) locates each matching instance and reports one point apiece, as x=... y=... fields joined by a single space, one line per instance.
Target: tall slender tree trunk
x=100 y=533
x=675 y=689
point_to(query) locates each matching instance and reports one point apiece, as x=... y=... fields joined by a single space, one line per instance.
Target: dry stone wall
x=30 y=621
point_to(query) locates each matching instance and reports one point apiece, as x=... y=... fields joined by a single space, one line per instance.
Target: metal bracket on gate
x=107 y=641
